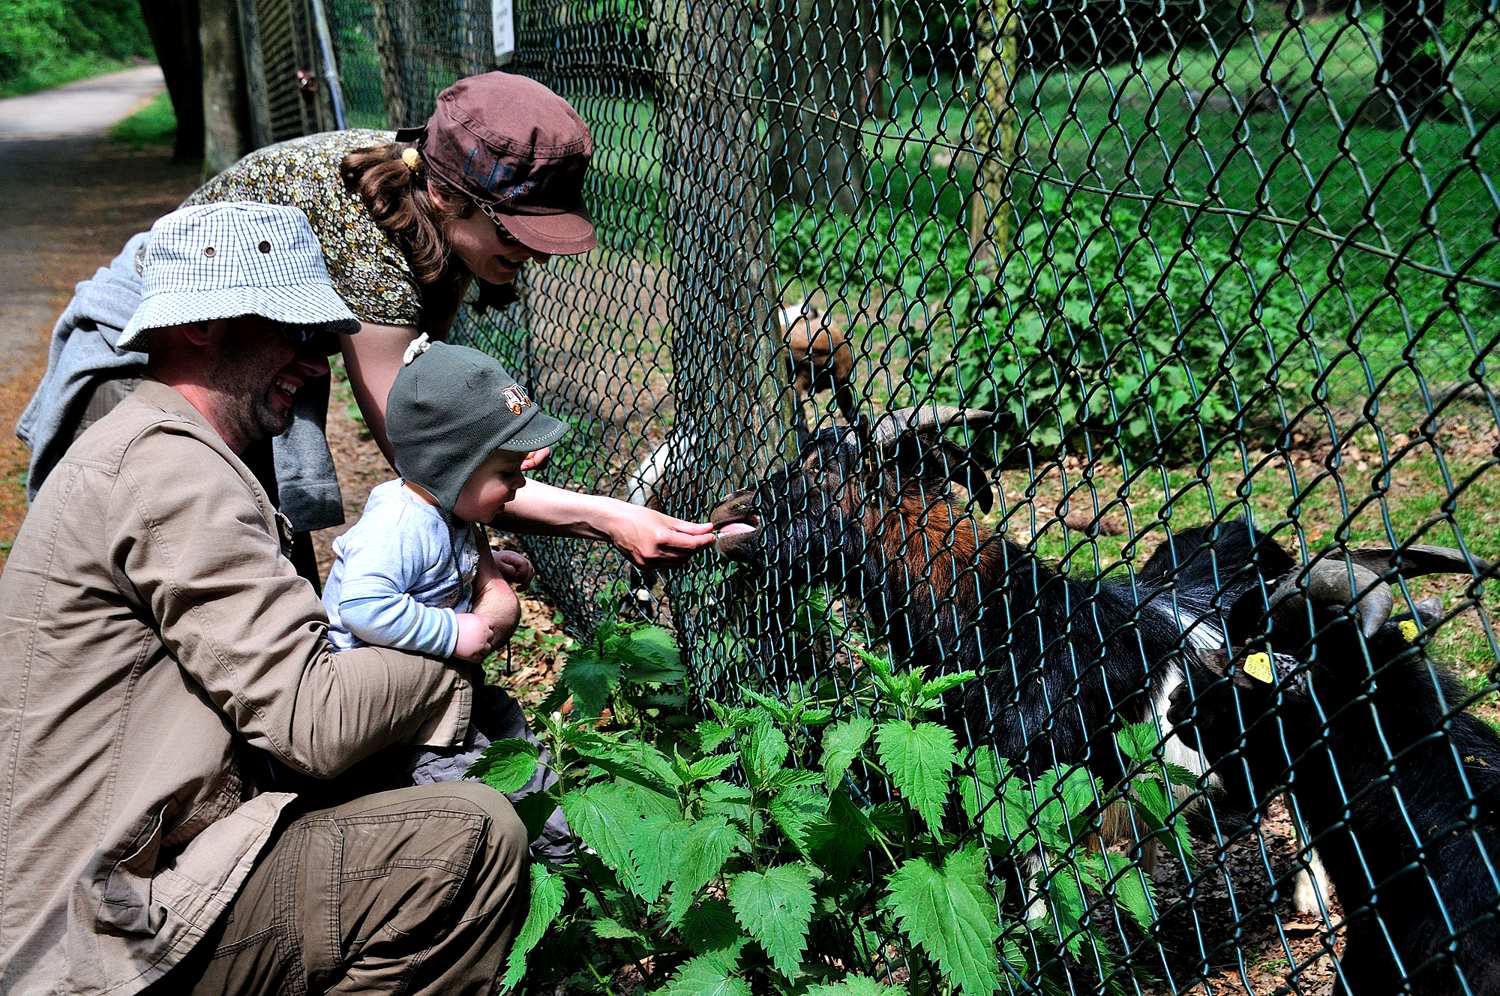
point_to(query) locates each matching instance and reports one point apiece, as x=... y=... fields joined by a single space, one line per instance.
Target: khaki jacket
x=156 y=646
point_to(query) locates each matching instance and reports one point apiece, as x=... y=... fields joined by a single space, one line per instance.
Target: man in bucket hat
x=167 y=659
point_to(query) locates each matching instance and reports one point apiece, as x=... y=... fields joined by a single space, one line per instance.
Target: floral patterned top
x=365 y=262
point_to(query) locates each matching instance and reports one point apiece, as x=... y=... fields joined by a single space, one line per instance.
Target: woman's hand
x=651 y=539
x=535 y=459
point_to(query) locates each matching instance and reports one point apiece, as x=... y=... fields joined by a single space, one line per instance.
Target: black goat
x=1064 y=662
x=1398 y=787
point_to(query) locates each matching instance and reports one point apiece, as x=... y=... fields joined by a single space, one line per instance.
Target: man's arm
x=191 y=542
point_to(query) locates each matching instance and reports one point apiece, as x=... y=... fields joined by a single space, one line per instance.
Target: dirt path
x=71 y=198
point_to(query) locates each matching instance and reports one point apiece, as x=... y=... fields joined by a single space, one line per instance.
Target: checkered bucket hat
x=226 y=260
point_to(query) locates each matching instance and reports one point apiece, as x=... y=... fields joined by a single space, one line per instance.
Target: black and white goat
x=1331 y=698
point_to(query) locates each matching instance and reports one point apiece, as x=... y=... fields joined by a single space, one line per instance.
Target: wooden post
x=390 y=42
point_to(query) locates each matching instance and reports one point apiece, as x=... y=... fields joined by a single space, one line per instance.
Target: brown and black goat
x=1064 y=661
x=1330 y=697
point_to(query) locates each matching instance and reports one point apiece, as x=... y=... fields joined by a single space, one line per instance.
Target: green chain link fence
x=1213 y=259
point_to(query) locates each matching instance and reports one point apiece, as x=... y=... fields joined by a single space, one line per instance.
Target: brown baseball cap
x=513 y=145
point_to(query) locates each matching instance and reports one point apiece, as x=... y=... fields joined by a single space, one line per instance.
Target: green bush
x=46 y=42
x=744 y=854
x=1128 y=328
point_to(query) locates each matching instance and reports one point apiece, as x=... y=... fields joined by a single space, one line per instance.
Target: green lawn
x=154 y=124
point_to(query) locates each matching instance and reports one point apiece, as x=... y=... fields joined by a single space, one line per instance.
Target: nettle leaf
x=1068 y=909
x=1155 y=801
x=712 y=735
x=842 y=743
x=653 y=840
x=775 y=908
x=590 y=679
x=701 y=852
x=792 y=778
x=773 y=708
x=650 y=654
x=920 y=760
x=534 y=810
x=606 y=817
x=1132 y=889
x=705 y=768
x=855 y=985
x=1139 y=741
x=710 y=926
x=980 y=795
x=547 y=892
x=609 y=929
x=815 y=717
x=765 y=753
x=707 y=975
x=841 y=837
x=795 y=810
x=732 y=802
x=932 y=691
x=506 y=765
x=949 y=914
x=635 y=762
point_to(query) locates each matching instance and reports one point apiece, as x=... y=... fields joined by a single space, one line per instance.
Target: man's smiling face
x=258 y=371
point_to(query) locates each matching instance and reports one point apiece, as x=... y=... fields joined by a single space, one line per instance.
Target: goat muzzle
x=736 y=526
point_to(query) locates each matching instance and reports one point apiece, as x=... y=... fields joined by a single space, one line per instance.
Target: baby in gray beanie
x=403 y=575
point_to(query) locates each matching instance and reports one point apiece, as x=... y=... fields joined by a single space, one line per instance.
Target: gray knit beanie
x=450 y=408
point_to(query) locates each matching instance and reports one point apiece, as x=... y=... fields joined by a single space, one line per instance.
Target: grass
x=154 y=124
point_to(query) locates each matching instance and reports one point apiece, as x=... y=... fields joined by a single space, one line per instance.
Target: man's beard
x=245 y=385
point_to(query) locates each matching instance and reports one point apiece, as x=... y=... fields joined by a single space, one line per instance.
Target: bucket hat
x=226 y=260
x=450 y=408
x=518 y=150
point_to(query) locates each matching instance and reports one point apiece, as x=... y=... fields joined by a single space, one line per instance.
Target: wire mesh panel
x=1217 y=284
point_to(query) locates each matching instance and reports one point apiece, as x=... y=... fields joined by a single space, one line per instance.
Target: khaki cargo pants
x=419 y=890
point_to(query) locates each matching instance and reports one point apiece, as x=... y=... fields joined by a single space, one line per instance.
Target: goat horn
x=1330 y=582
x=892 y=425
x=1419 y=560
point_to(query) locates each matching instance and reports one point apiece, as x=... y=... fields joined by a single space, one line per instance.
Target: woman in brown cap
x=407 y=222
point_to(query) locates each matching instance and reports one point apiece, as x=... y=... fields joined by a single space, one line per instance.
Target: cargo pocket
x=125 y=899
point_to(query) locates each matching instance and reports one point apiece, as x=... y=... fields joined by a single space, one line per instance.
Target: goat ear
x=970 y=470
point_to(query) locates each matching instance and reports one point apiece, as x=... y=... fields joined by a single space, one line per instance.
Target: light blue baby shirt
x=400 y=576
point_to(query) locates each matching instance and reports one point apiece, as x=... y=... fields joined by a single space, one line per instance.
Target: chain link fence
x=1208 y=261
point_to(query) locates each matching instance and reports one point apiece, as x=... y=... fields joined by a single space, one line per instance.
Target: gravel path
x=69 y=198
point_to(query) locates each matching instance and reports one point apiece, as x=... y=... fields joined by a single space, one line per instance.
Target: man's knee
x=499 y=864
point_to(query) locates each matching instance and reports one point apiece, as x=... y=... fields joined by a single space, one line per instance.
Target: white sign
x=503 y=22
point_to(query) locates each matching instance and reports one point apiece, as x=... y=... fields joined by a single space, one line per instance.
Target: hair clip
x=418 y=346
x=412 y=158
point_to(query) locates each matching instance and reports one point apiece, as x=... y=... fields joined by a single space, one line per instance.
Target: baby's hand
x=514 y=567
x=474 y=636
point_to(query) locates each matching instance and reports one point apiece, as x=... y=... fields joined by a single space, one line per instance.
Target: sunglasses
x=303 y=337
x=500 y=230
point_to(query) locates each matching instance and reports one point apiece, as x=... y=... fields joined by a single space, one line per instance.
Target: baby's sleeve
x=383 y=561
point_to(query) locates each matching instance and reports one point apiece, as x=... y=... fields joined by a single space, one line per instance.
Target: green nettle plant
x=776 y=848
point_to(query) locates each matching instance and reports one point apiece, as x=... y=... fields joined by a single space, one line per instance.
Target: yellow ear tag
x=1409 y=630
x=1258 y=666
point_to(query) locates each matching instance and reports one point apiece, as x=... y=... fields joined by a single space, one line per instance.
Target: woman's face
x=489 y=252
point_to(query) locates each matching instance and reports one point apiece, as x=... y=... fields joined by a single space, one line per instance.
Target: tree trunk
x=1411 y=77
x=816 y=79
x=173 y=27
x=226 y=109
x=994 y=131
x=392 y=37
x=723 y=298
